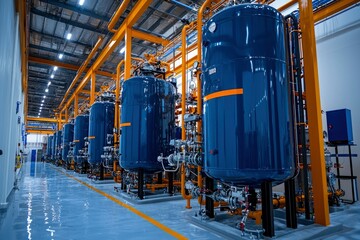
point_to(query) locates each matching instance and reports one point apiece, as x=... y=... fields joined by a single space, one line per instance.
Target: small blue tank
x=49 y=146
x=53 y=146
x=68 y=135
x=81 y=130
x=58 y=143
x=101 y=125
x=148 y=121
x=248 y=126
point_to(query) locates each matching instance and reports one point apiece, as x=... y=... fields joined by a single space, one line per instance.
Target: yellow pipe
x=117 y=15
x=183 y=193
x=35 y=119
x=128 y=37
x=136 y=12
x=81 y=69
x=117 y=102
x=92 y=87
x=76 y=106
x=321 y=206
x=183 y=79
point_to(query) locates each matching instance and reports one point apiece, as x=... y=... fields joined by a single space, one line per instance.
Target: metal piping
x=82 y=68
x=117 y=15
x=183 y=5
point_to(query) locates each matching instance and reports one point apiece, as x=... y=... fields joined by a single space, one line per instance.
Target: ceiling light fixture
x=49 y=83
x=47 y=90
x=122 y=50
x=52 y=76
x=61 y=56
x=42 y=101
x=81 y=2
x=55 y=68
x=68 y=36
x=41 y=104
x=44 y=96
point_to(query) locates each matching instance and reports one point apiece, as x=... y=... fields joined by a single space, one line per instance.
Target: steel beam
x=148 y=37
x=312 y=89
x=66 y=66
x=60 y=39
x=35 y=119
x=130 y=20
x=36 y=131
x=333 y=8
x=128 y=39
x=53 y=63
x=92 y=87
x=67 y=21
x=55 y=51
x=76 y=9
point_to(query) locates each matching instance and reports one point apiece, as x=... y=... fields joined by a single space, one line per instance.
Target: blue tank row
x=49 y=146
x=68 y=135
x=244 y=68
x=101 y=124
x=81 y=129
x=58 y=142
x=148 y=121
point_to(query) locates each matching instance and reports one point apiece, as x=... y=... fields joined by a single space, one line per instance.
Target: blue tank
x=53 y=146
x=101 y=124
x=58 y=142
x=148 y=121
x=81 y=129
x=248 y=127
x=68 y=136
x=49 y=146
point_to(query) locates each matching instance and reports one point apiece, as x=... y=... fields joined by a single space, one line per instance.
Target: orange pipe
x=81 y=69
x=117 y=15
x=183 y=193
x=183 y=80
x=117 y=102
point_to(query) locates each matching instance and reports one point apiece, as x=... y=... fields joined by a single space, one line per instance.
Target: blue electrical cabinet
x=339 y=126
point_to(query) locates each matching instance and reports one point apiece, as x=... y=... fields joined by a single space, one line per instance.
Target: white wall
x=338 y=50
x=10 y=93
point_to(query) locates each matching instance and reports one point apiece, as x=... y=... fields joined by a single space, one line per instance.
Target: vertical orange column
x=321 y=205
x=92 y=87
x=128 y=38
x=76 y=106
x=66 y=115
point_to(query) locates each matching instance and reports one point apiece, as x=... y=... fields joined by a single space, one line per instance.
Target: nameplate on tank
x=91 y=137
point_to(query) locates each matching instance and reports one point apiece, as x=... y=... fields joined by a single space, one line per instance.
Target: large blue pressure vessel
x=81 y=130
x=58 y=142
x=248 y=128
x=101 y=124
x=148 y=121
x=68 y=135
x=49 y=146
x=53 y=146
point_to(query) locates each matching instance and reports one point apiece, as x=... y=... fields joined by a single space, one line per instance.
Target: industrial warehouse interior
x=179 y=119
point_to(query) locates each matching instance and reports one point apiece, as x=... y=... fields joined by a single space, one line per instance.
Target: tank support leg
x=101 y=172
x=141 y=183
x=290 y=203
x=159 y=178
x=123 y=187
x=267 y=209
x=170 y=183
x=209 y=202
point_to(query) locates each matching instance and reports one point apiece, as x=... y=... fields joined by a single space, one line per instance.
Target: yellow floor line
x=128 y=207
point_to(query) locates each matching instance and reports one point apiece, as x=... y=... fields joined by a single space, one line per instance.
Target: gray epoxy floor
x=51 y=205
